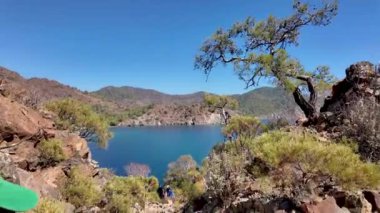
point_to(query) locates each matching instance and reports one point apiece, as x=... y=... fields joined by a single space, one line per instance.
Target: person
x=15 y=198
x=160 y=192
x=169 y=192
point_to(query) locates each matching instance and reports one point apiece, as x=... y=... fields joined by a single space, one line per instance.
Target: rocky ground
x=21 y=129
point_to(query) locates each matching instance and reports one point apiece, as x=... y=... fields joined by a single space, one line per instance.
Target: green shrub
x=316 y=158
x=80 y=189
x=185 y=178
x=80 y=117
x=243 y=126
x=294 y=163
x=51 y=151
x=48 y=205
x=124 y=192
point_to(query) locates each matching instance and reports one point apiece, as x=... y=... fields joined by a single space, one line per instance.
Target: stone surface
x=8 y=170
x=19 y=121
x=373 y=198
x=75 y=146
x=328 y=205
x=45 y=182
x=353 y=110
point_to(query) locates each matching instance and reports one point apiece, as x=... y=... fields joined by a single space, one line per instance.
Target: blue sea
x=156 y=146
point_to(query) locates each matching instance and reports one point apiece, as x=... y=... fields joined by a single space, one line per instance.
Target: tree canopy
x=257 y=49
x=80 y=117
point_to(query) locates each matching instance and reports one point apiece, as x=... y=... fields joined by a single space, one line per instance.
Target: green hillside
x=265 y=101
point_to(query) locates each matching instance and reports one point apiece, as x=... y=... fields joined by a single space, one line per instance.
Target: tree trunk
x=308 y=107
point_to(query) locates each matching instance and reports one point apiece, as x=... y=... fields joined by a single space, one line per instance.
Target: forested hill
x=262 y=101
x=128 y=95
x=265 y=101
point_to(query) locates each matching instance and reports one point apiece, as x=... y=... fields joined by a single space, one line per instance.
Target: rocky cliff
x=353 y=109
x=172 y=114
x=21 y=130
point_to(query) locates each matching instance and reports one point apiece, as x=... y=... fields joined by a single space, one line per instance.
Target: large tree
x=257 y=49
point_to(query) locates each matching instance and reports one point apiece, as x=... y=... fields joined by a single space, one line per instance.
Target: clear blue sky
x=89 y=44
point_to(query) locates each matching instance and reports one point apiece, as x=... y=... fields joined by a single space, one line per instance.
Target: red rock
x=19 y=121
x=326 y=206
x=373 y=198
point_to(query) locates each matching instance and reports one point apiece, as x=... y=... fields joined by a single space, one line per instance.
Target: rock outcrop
x=18 y=121
x=166 y=115
x=21 y=130
x=353 y=109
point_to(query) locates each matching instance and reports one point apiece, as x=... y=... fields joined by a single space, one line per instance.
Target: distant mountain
x=133 y=95
x=35 y=91
x=262 y=102
x=266 y=101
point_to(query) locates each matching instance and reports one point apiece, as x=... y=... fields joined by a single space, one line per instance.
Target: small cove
x=156 y=146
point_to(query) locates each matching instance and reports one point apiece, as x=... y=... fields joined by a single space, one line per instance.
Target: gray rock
x=8 y=168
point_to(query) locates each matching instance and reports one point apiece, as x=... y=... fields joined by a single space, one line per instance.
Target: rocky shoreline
x=176 y=115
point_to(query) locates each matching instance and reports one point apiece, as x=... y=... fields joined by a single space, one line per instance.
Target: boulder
x=353 y=109
x=8 y=168
x=75 y=146
x=373 y=198
x=327 y=205
x=44 y=182
x=18 y=120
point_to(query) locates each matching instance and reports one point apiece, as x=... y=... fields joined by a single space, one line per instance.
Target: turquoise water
x=156 y=146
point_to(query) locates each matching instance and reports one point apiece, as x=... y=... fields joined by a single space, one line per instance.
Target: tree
x=80 y=117
x=136 y=169
x=220 y=103
x=258 y=50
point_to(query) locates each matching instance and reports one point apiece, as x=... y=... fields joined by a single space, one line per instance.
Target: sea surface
x=156 y=146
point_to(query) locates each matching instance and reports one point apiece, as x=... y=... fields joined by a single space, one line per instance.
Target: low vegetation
x=124 y=192
x=51 y=151
x=315 y=158
x=80 y=189
x=291 y=161
x=48 y=205
x=243 y=126
x=80 y=117
x=185 y=178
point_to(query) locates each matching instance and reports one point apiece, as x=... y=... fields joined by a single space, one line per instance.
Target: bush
x=185 y=178
x=125 y=192
x=80 y=189
x=304 y=152
x=80 y=117
x=294 y=163
x=243 y=126
x=47 y=205
x=51 y=151
x=225 y=172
